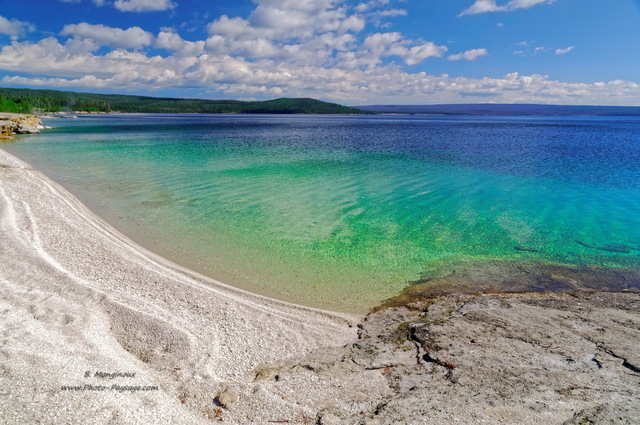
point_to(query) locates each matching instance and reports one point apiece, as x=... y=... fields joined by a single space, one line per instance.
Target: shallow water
x=343 y=211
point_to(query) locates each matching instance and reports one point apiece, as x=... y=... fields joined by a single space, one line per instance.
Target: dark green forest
x=40 y=101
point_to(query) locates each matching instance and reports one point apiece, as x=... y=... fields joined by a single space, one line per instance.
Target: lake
x=341 y=212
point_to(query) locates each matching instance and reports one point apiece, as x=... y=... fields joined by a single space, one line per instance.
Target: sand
x=79 y=301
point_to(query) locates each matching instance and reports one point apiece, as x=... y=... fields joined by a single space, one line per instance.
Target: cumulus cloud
x=314 y=32
x=565 y=50
x=380 y=45
x=143 y=5
x=277 y=20
x=131 y=38
x=67 y=66
x=484 y=6
x=15 y=28
x=469 y=55
x=96 y=2
x=373 y=4
x=169 y=40
x=296 y=48
x=377 y=11
x=69 y=62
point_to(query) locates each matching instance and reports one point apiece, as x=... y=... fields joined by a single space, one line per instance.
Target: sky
x=354 y=52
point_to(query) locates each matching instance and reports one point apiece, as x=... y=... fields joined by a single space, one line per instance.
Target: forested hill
x=30 y=100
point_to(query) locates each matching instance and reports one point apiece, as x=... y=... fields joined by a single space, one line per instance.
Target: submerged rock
x=616 y=248
x=525 y=249
x=496 y=277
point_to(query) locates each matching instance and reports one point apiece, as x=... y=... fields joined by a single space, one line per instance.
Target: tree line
x=40 y=101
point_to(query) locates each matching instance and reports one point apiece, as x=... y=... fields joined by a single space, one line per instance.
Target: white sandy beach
x=78 y=298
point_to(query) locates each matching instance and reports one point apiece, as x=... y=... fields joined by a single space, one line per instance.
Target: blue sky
x=348 y=51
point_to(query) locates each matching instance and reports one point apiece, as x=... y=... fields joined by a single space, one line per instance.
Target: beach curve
x=79 y=298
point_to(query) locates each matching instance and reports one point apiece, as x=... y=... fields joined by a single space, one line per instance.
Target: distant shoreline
x=91 y=103
x=485 y=109
x=42 y=101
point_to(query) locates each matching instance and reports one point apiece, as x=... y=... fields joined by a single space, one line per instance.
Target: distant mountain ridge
x=32 y=100
x=505 y=109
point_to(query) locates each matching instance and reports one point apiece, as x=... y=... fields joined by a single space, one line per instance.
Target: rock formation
x=529 y=358
x=11 y=124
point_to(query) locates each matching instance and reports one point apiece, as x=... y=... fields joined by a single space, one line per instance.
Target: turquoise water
x=343 y=211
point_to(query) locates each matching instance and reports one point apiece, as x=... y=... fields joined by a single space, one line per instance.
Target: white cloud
x=131 y=38
x=75 y=58
x=376 y=11
x=373 y=4
x=380 y=45
x=484 y=6
x=525 y=4
x=469 y=55
x=15 y=28
x=169 y=40
x=96 y=2
x=313 y=32
x=143 y=5
x=296 y=48
x=278 y=20
x=392 y=12
x=528 y=48
x=565 y=50
x=68 y=65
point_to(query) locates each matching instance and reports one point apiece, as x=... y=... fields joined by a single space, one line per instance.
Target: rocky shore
x=11 y=124
x=531 y=358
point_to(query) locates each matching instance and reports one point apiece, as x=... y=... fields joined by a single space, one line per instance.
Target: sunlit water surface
x=341 y=212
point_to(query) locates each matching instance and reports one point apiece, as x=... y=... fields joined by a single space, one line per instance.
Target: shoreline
x=79 y=296
x=96 y=329
x=226 y=259
x=225 y=273
x=13 y=123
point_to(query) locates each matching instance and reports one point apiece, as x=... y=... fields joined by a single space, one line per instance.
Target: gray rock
x=11 y=123
x=27 y=129
x=533 y=358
